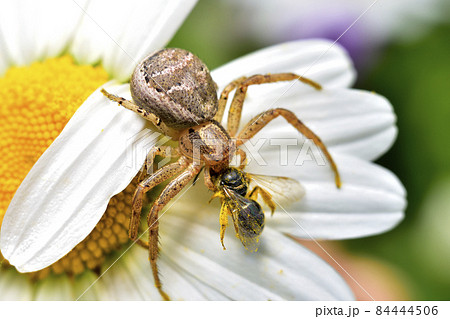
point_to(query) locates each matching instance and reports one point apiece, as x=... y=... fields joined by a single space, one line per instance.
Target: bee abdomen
x=251 y=219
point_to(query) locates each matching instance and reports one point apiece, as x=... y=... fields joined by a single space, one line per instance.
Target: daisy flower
x=56 y=223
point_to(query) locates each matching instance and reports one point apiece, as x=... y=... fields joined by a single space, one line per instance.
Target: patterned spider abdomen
x=176 y=86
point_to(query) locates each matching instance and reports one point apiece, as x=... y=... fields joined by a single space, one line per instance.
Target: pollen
x=37 y=101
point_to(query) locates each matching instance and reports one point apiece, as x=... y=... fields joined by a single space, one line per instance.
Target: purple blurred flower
x=378 y=22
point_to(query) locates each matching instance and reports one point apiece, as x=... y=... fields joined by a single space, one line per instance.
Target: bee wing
x=248 y=219
x=284 y=190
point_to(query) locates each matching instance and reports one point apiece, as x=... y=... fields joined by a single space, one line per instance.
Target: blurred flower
x=285 y=20
x=431 y=237
x=370 y=278
x=65 y=194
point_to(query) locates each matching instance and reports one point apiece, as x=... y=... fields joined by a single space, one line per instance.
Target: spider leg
x=164 y=151
x=169 y=192
x=208 y=181
x=234 y=114
x=242 y=158
x=142 y=243
x=196 y=176
x=156 y=121
x=224 y=98
x=261 y=120
x=156 y=178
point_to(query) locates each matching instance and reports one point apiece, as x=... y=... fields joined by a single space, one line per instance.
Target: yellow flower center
x=36 y=103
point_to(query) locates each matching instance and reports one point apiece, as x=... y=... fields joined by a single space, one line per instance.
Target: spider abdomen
x=176 y=86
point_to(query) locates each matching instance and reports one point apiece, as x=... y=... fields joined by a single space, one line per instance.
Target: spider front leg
x=208 y=180
x=261 y=120
x=156 y=121
x=224 y=97
x=156 y=178
x=234 y=114
x=169 y=192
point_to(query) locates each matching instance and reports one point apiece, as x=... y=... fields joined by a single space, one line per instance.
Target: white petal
x=14 y=287
x=121 y=34
x=56 y=26
x=54 y=288
x=120 y=282
x=318 y=60
x=66 y=192
x=131 y=279
x=193 y=265
x=355 y=122
x=281 y=269
x=371 y=200
x=32 y=30
x=4 y=58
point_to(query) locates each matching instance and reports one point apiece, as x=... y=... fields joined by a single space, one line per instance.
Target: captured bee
x=247 y=214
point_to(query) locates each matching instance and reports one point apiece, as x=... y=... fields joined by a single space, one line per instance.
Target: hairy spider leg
x=156 y=178
x=208 y=180
x=224 y=98
x=261 y=120
x=242 y=158
x=162 y=150
x=169 y=192
x=234 y=114
x=156 y=121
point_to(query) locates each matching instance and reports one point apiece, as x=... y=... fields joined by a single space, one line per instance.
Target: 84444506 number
x=404 y=310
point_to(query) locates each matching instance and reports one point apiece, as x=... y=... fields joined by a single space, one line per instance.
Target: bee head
x=234 y=179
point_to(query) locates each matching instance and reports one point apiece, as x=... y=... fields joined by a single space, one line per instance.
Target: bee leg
x=164 y=151
x=261 y=120
x=267 y=198
x=224 y=98
x=234 y=114
x=216 y=195
x=223 y=218
x=156 y=178
x=156 y=121
x=169 y=192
